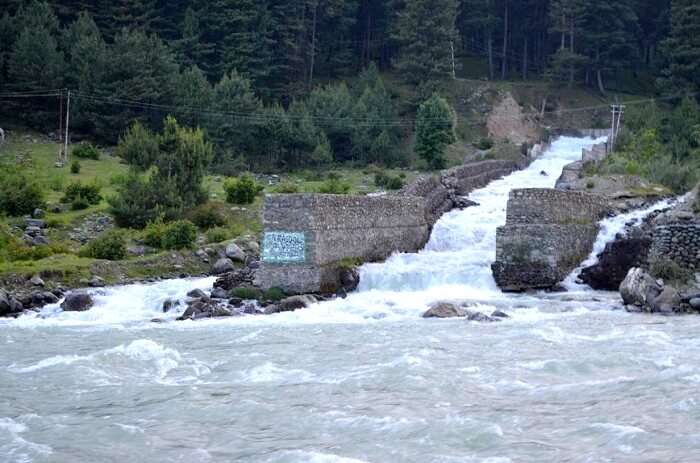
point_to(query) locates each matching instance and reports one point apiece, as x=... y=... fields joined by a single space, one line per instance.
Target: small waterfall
x=610 y=228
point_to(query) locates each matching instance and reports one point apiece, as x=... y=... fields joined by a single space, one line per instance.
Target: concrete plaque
x=281 y=247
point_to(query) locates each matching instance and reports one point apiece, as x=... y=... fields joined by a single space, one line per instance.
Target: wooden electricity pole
x=617 y=111
x=65 y=150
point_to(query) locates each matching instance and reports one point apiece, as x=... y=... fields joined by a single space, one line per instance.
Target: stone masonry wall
x=307 y=236
x=547 y=234
x=548 y=206
x=441 y=191
x=679 y=242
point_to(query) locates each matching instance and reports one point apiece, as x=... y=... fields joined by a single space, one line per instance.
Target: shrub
x=57 y=182
x=380 y=179
x=140 y=201
x=180 y=235
x=669 y=271
x=590 y=184
x=274 y=294
x=485 y=144
x=18 y=251
x=217 y=235
x=388 y=182
x=242 y=190
x=334 y=186
x=83 y=193
x=394 y=183
x=287 y=188
x=86 y=151
x=208 y=216
x=153 y=234
x=109 y=246
x=75 y=167
x=79 y=204
x=245 y=293
x=18 y=194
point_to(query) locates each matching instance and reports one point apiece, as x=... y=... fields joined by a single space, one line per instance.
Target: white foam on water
x=16 y=448
x=300 y=456
x=141 y=358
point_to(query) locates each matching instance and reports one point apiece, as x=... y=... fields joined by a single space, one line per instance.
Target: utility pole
x=617 y=111
x=454 y=66
x=65 y=150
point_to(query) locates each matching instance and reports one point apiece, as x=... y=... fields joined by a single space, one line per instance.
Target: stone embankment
x=547 y=234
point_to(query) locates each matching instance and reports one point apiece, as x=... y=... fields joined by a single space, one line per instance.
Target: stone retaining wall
x=307 y=236
x=548 y=233
x=679 y=242
x=548 y=206
x=441 y=191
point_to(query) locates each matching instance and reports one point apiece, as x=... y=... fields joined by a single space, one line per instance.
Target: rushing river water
x=569 y=377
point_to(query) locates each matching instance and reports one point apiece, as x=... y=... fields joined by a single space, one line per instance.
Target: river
x=568 y=377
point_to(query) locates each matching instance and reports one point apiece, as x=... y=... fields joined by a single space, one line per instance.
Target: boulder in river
x=615 y=262
x=291 y=304
x=639 y=288
x=667 y=302
x=444 y=310
x=9 y=306
x=77 y=301
x=695 y=303
x=349 y=279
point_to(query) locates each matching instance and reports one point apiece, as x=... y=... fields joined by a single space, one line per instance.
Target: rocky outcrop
x=639 y=288
x=616 y=260
x=548 y=233
x=9 y=306
x=507 y=121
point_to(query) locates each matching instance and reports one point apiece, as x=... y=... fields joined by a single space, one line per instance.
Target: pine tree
x=682 y=48
x=425 y=30
x=435 y=131
x=193 y=94
x=191 y=48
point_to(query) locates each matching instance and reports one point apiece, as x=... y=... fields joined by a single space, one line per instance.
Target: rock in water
x=196 y=294
x=444 y=310
x=9 y=306
x=695 y=303
x=349 y=279
x=223 y=265
x=639 y=288
x=615 y=261
x=219 y=293
x=78 y=301
x=291 y=304
x=667 y=302
x=235 y=253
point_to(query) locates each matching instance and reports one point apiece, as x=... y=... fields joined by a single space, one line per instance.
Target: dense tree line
x=254 y=74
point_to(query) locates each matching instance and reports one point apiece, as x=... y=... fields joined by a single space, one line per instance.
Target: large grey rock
x=37 y=281
x=349 y=279
x=197 y=294
x=235 y=253
x=639 y=288
x=219 y=293
x=77 y=301
x=695 y=303
x=35 y=223
x=223 y=265
x=292 y=303
x=667 y=302
x=444 y=310
x=615 y=262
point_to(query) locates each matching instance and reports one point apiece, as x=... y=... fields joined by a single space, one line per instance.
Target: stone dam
x=309 y=238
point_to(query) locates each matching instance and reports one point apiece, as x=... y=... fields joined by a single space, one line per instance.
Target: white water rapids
x=569 y=377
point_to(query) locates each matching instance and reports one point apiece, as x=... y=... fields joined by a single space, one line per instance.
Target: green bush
x=485 y=144
x=86 y=151
x=19 y=195
x=217 y=235
x=109 y=246
x=180 y=235
x=153 y=234
x=208 y=216
x=83 y=193
x=590 y=184
x=177 y=235
x=140 y=201
x=245 y=293
x=57 y=182
x=75 y=167
x=274 y=294
x=287 y=188
x=334 y=186
x=670 y=271
x=242 y=190
x=79 y=204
